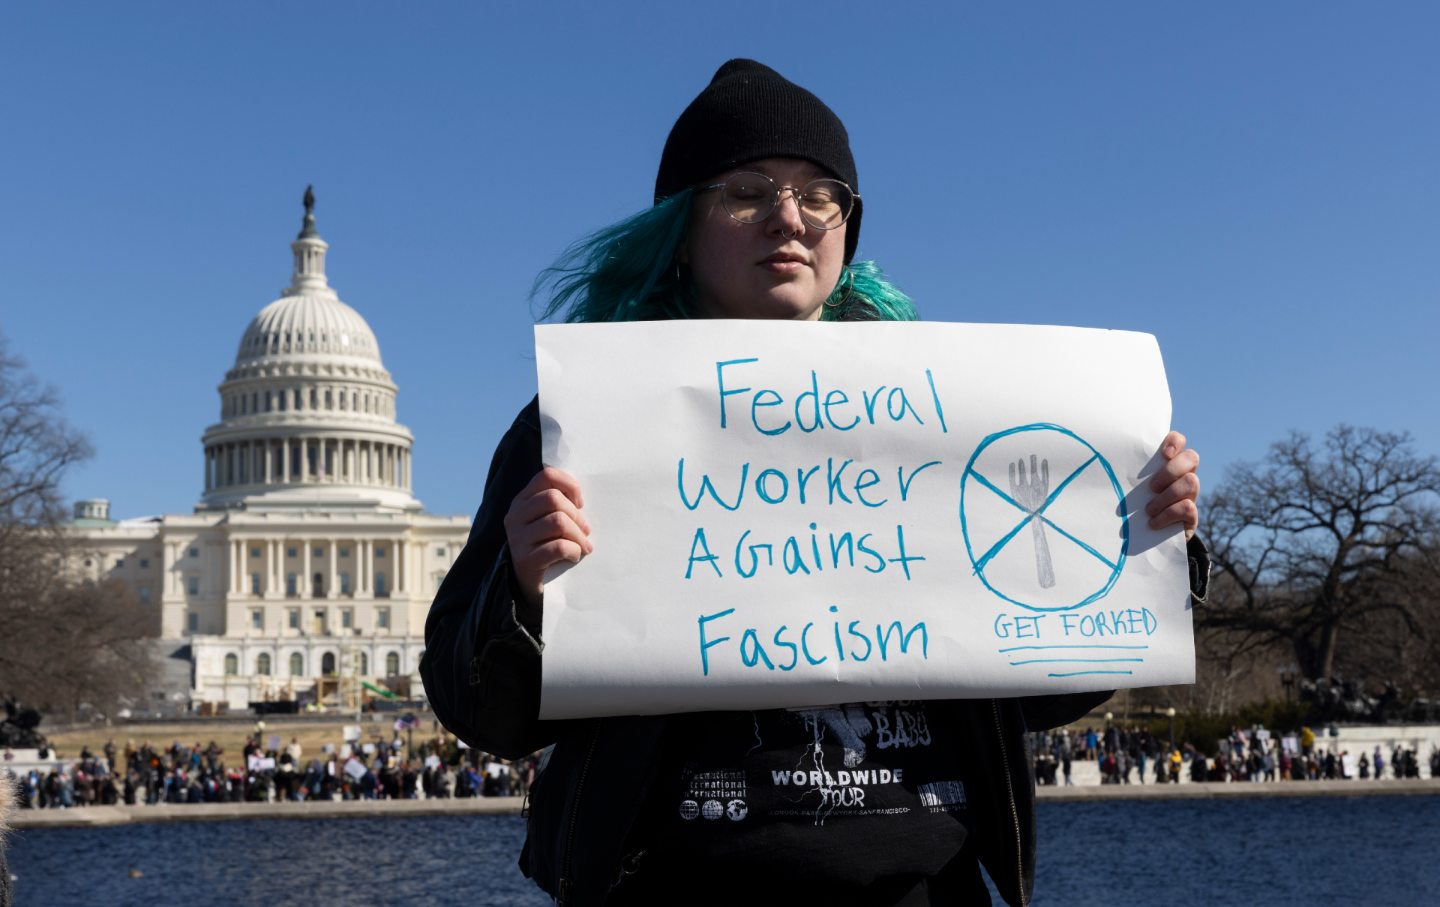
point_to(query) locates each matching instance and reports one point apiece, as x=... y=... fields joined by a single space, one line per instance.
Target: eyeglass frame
x=775 y=199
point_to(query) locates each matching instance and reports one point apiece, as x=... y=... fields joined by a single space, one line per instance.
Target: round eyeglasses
x=751 y=197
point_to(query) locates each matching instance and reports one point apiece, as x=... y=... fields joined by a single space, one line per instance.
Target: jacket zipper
x=1010 y=793
x=563 y=897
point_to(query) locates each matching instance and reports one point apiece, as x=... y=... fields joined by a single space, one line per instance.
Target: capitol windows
x=257 y=619
x=194 y=552
x=144 y=593
x=292 y=585
x=439 y=578
x=344 y=584
x=392 y=664
x=254 y=552
x=232 y=664
x=380 y=590
x=364 y=665
x=347 y=618
x=327 y=664
x=314 y=398
x=344 y=552
x=297 y=664
x=317 y=586
x=144 y=563
x=254 y=584
x=262 y=664
x=439 y=552
x=318 y=552
x=382 y=618
x=192 y=585
x=292 y=552
x=329 y=400
x=119 y=562
x=292 y=618
x=192 y=622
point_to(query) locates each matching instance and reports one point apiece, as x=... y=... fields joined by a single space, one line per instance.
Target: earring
x=849 y=285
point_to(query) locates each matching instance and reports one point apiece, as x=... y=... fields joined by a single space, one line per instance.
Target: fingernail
x=1169 y=450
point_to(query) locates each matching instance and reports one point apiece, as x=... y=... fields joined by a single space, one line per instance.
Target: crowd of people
x=442 y=768
x=1133 y=755
x=379 y=770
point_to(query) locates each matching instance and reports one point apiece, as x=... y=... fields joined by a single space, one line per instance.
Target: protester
x=7 y=798
x=757 y=215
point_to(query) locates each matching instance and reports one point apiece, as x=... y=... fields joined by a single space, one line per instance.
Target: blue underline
x=1041 y=661
x=1066 y=646
x=1078 y=673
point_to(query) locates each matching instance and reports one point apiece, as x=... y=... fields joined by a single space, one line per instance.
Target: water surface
x=1316 y=851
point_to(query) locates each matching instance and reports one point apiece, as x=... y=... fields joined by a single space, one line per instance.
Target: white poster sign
x=790 y=514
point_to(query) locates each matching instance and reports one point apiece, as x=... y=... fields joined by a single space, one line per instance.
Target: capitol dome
x=308 y=410
x=308 y=324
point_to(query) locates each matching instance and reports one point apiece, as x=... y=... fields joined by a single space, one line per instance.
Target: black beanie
x=749 y=112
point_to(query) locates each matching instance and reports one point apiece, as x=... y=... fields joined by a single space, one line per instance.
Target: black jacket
x=482 y=674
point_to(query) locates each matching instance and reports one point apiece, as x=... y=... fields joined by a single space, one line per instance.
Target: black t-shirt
x=863 y=803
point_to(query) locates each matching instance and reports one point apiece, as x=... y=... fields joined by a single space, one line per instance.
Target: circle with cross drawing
x=1044 y=518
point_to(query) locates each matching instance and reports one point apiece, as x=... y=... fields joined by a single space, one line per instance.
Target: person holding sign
x=757 y=215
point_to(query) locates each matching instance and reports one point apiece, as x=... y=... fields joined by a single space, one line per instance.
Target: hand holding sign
x=544 y=527
x=1176 y=486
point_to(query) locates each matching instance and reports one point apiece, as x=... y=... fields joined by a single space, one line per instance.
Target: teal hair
x=623 y=272
x=627 y=272
x=864 y=294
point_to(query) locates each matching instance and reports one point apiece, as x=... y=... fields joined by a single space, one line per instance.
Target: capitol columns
x=285 y=460
x=330 y=590
x=306 y=588
x=168 y=551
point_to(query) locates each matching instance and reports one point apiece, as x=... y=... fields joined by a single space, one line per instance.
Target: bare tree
x=63 y=642
x=36 y=448
x=1324 y=551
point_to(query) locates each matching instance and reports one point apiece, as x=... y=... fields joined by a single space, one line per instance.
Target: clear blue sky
x=1256 y=184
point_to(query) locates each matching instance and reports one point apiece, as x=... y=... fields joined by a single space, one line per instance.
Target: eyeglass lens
x=824 y=203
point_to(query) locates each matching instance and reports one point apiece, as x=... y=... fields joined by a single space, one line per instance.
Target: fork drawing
x=1030 y=492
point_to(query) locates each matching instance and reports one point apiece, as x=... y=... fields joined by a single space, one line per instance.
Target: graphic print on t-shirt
x=819 y=764
x=715 y=794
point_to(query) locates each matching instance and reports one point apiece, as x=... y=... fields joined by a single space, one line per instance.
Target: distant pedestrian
x=7 y=799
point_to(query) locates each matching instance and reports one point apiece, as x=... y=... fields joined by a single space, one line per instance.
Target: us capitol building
x=308 y=566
